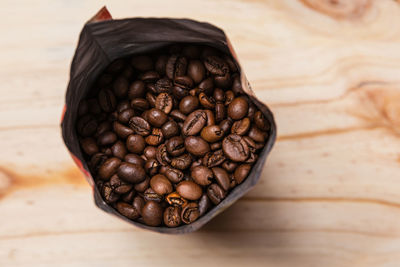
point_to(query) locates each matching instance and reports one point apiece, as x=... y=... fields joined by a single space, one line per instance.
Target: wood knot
x=339 y=9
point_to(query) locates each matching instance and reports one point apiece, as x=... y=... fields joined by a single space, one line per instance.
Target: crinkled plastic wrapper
x=103 y=40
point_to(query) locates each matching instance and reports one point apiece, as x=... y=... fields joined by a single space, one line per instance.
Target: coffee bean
x=136 y=90
x=128 y=197
x=174 y=199
x=188 y=104
x=163 y=85
x=229 y=96
x=135 y=143
x=122 y=105
x=107 y=100
x=222 y=178
x=252 y=111
x=89 y=146
x=205 y=101
x=151 y=99
x=176 y=66
x=140 y=126
x=121 y=130
x=216 y=146
x=152 y=213
x=214 y=158
x=178 y=116
x=108 y=193
x=189 y=190
x=142 y=63
x=206 y=86
x=179 y=92
x=172 y=216
x=212 y=133
x=220 y=112
x=157 y=118
x=257 y=135
x=194 y=122
x=151 y=195
x=119 y=149
x=216 y=65
x=196 y=146
x=86 y=125
x=164 y=102
x=120 y=87
x=238 y=108
x=155 y=138
x=107 y=138
x=235 y=148
x=160 y=64
x=125 y=115
x=237 y=85
x=190 y=213
x=162 y=155
x=134 y=159
x=127 y=210
x=202 y=175
x=151 y=166
x=103 y=127
x=160 y=184
x=241 y=172
x=184 y=82
x=210 y=117
x=170 y=129
x=224 y=81
x=108 y=168
x=175 y=146
x=143 y=185
x=215 y=193
x=196 y=70
x=150 y=152
x=138 y=204
x=241 y=127
x=229 y=166
x=204 y=204
x=140 y=104
x=174 y=175
x=119 y=186
x=149 y=76
x=226 y=126
x=181 y=162
x=131 y=173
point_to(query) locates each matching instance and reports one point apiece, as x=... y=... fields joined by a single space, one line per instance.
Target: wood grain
x=329 y=193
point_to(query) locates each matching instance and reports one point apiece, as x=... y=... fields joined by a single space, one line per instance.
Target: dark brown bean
x=138 y=204
x=174 y=199
x=135 y=143
x=132 y=173
x=204 y=204
x=194 y=122
x=86 y=125
x=160 y=64
x=189 y=190
x=238 y=108
x=241 y=127
x=119 y=149
x=212 y=133
x=119 y=186
x=214 y=158
x=222 y=178
x=196 y=146
x=89 y=146
x=202 y=175
x=207 y=86
x=134 y=159
x=151 y=166
x=152 y=213
x=121 y=130
x=108 y=168
x=184 y=82
x=160 y=184
x=216 y=65
x=150 y=152
x=188 y=104
x=120 y=87
x=140 y=126
x=175 y=146
x=241 y=173
x=206 y=102
x=215 y=193
x=174 y=175
x=164 y=102
x=220 y=112
x=216 y=146
x=140 y=104
x=178 y=116
x=150 y=76
x=107 y=100
x=224 y=81
x=172 y=216
x=196 y=70
x=181 y=162
x=257 y=135
x=125 y=115
x=190 y=213
x=136 y=90
x=108 y=193
x=170 y=129
x=229 y=96
x=162 y=155
x=142 y=186
x=229 y=166
x=235 y=148
x=155 y=138
x=157 y=118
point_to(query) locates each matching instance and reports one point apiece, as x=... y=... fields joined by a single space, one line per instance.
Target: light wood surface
x=329 y=193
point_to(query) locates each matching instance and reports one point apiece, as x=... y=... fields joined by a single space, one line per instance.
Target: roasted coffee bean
x=257 y=135
x=204 y=204
x=241 y=127
x=172 y=216
x=210 y=117
x=160 y=184
x=163 y=85
x=108 y=168
x=181 y=162
x=212 y=133
x=235 y=148
x=155 y=138
x=107 y=138
x=142 y=186
x=207 y=86
x=120 y=87
x=157 y=118
x=226 y=126
x=174 y=199
x=125 y=115
x=162 y=155
x=214 y=158
x=236 y=85
x=170 y=129
x=107 y=151
x=138 y=204
x=202 y=175
x=184 y=82
x=108 y=193
x=241 y=172
x=136 y=90
x=140 y=126
x=151 y=98
x=238 y=108
x=216 y=65
x=196 y=70
x=89 y=146
x=149 y=76
x=215 y=193
x=222 y=178
x=119 y=186
x=119 y=149
x=220 y=112
x=174 y=175
x=132 y=173
x=190 y=213
x=86 y=125
x=176 y=66
x=164 y=103
x=224 y=81
x=194 y=122
x=135 y=143
x=128 y=197
x=150 y=152
x=113 y=116
x=121 y=130
x=160 y=64
x=205 y=101
x=252 y=158
x=151 y=166
x=175 y=146
x=179 y=92
x=196 y=146
x=250 y=142
x=152 y=213
x=216 y=146
x=229 y=96
x=140 y=104
x=122 y=105
x=252 y=111
x=151 y=195
x=127 y=210
x=189 y=190
x=96 y=161
x=142 y=63
x=107 y=100
x=188 y=104
x=219 y=95
x=103 y=127
x=134 y=159
x=229 y=166
x=232 y=65
x=178 y=116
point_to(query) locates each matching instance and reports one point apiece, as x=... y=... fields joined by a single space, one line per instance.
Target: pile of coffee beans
x=168 y=135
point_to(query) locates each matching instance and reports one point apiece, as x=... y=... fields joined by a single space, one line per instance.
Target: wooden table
x=329 y=194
